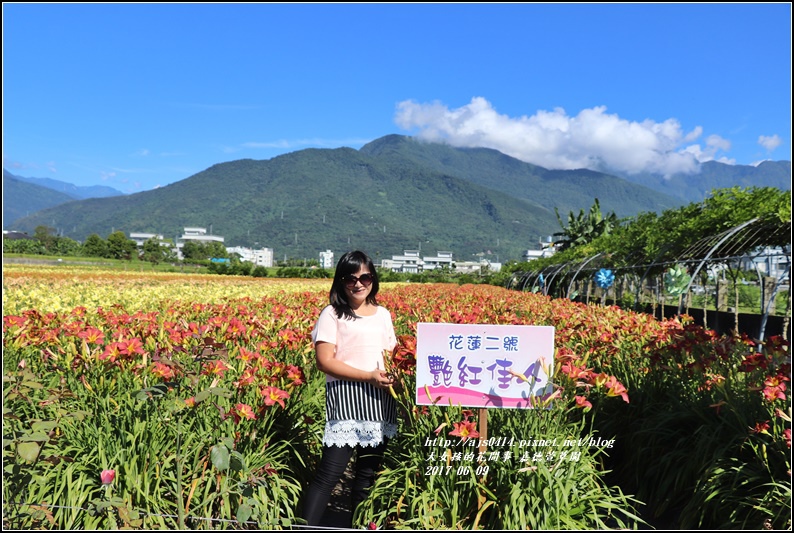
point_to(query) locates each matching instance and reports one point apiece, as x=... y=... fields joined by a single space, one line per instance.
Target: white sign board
x=482 y=365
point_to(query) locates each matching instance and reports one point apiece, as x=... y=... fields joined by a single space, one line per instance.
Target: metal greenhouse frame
x=758 y=247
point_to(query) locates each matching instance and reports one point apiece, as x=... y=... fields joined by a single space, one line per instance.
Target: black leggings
x=332 y=467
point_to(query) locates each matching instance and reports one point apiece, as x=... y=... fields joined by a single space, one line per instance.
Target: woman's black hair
x=349 y=264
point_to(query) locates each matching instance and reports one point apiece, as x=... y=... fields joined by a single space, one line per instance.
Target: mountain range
x=393 y=194
x=23 y=196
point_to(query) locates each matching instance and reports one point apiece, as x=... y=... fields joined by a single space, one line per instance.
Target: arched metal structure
x=570 y=285
x=731 y=251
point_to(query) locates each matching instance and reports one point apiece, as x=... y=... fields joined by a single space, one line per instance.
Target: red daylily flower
x=274 y=395
x=295 y=375
x=465 y=430
x=242 y=411
x=248 y=377
x=582 y=403
x=616 y=388
x=760 y=427
x=92 y=335
x=162 y=370
x=775 y=388
x=216 y=367
x=131 y=347
x=112 y=352
x=246 y=355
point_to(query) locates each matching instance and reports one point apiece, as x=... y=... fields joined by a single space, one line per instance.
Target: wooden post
x=483 y=429
x=482 y=419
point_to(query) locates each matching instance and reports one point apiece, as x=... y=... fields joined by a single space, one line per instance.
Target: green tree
x=215 y=249
x=66 y=246
x=155 y=251
x=95 y=246
x=583 y=229
x=194 y=250
x=121 y=247
x=23 y=246
x=46 y=236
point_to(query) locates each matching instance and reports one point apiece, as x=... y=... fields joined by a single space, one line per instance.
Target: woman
x=349 y=339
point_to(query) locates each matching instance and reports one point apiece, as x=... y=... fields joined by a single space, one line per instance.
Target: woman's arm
x=327 y=363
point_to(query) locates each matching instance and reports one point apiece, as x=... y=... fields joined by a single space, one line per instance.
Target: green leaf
x=221 y=391
x=237 y=461
x=35 y=437
x=201 y=396
x=80 y=415
x=44 y=425
x=219 y=455
x=244 y=512
x=28 y=451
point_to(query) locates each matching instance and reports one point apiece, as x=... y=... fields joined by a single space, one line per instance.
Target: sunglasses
x=350 y=281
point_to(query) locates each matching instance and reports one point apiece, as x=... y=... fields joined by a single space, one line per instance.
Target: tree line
x=656 y=239
x=46 y=241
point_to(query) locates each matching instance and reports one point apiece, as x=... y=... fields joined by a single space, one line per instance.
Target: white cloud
x=770 y=143
x=592 y=139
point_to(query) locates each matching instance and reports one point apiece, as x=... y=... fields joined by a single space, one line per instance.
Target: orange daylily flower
x=242 y=411
x=465 y=430
x=582 y=403
x=162 y=370
x=274 y=395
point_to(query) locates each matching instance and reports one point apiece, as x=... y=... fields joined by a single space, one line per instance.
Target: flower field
x=168 y=401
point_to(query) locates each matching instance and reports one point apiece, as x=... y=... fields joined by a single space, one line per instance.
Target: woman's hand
x=379 y=378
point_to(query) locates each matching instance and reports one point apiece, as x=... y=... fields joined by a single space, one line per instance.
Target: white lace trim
x=352 y=432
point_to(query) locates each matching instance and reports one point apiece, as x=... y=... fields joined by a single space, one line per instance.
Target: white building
x=408 y=262
x=470 y=267
x=262 y=257
x=327 y=259
x=547 y=249
x=198 y=235
x=769 y=261
x=440 y=260
x=141 y=238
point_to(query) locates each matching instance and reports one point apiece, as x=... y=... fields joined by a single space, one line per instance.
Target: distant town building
x=547 y=249
x=440 y=260
x=262 y=257
x=411 y=262
x=198 y=235
x=15 y=235
x=470 y=267
x=769 y=261
x=408 y=262
x=141 y=238
x=327 y=259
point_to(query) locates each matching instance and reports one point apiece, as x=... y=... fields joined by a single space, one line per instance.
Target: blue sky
x=137 y=96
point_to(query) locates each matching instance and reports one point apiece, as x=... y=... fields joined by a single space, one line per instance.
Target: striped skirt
x=358 y=413
x=356 y=400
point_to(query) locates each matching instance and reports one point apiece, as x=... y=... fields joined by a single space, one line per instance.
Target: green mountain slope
x=308 y=201
x=79 y=192
x=568 y=190
x=714 y=175
x=393 y=194
x=21 y=199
